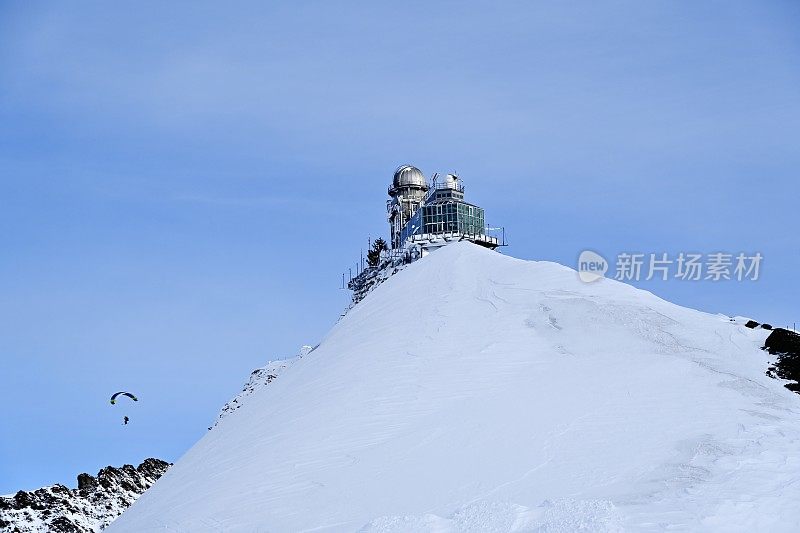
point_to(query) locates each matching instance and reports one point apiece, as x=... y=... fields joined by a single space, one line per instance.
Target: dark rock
x=62 y=524
x=785 y=345
x=59 y=489
x=86 y=482
x=153 y=467
x=766 y=326
x=752 y=324
x=26 y=499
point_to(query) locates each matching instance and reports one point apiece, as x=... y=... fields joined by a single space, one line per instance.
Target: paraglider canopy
x=128 y=394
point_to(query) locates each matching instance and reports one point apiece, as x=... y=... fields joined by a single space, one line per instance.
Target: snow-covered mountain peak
x=477 y=392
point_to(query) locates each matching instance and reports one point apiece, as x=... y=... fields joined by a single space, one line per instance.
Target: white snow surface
x=477 y=392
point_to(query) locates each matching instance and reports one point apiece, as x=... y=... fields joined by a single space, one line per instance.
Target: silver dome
x=408 y=175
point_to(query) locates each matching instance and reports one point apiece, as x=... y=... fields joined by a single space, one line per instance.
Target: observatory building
x=422 y=216
x=426 y=216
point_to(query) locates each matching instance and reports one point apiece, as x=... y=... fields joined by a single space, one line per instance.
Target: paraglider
x=128 y=394
x=114 y=401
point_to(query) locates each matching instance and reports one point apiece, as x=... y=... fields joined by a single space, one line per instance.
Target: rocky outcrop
x=96 y=502
x=785 y=345
x=391 y=263
x=259 y=378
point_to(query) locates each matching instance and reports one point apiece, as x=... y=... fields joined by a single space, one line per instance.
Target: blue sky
x=182 y=185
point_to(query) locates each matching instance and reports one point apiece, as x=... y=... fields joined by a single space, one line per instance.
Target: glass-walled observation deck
x=450 y=217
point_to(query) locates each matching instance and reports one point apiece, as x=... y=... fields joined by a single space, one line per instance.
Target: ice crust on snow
x=477 y=392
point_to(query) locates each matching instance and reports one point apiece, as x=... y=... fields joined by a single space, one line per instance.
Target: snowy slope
x=477 y=392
